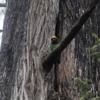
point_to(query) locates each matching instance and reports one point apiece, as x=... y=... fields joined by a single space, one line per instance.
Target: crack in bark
x=59 y=21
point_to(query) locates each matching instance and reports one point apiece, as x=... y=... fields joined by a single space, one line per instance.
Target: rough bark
x=28 y=28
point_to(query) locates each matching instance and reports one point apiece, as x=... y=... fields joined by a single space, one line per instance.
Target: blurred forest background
x=2 y=14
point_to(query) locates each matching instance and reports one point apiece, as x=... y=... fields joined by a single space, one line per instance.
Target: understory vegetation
x=85 y=85
x=95 y=50
x=85 y=89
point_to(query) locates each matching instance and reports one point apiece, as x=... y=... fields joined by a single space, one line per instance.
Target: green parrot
x=53 y=45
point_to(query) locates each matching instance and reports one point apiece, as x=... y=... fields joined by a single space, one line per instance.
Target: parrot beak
x=53 y=39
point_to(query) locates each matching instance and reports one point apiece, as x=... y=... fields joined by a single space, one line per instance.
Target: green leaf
x=84 y=88
x=96 y=98
x=95 y=36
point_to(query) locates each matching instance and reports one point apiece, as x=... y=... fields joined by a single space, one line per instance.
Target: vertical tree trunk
x=28 y=28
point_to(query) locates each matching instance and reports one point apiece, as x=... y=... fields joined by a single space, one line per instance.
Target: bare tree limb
x=48 y=62
x=2 y=4
x=1 y=30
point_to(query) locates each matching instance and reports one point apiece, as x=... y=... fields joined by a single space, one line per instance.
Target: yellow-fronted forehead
x=54 y=37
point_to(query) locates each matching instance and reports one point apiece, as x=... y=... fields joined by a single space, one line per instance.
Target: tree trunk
x=28 y=28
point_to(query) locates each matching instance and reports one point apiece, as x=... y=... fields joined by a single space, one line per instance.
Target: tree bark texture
x=28 y=28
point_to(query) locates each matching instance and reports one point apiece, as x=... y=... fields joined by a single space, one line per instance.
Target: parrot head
x=54 y=38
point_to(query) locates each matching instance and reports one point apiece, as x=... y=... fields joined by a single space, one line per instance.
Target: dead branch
x=1 y=30
x=2 y=4
x=48 y=62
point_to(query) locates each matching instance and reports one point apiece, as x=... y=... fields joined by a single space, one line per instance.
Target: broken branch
x=2 y=4
x=48 y=62
x=1 y=30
